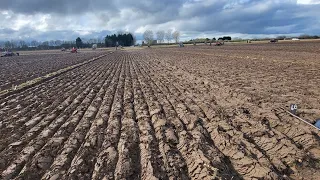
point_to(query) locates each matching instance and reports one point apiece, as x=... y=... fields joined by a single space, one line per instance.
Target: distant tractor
x=63 y=49
x=181 y=44
x=74 y=50
x=9 y=53
x=94 y=47
x=273 y=40
x=219 y=43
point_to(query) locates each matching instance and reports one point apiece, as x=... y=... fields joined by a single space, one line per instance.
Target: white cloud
x=83 y=33
x=308 y=1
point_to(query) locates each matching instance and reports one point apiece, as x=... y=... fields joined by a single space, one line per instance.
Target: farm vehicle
x=94 y=47
x=219 y=43
x=273 y=40
x=9 y=53
x=74 y=50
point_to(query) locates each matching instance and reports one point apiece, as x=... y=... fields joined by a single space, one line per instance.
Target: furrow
x=25 y=123
x=77 y=135
x=84 y=161
x=152 y=166
x=174 y=163
x=49 y=87
x=128 y=165
x=202 y=158
x=43 y=91
x=265 y=140
x=44 y=158
x=39 y=142
x=70 y=104
x=242 y=156
x=107 y=158
x=301 y=135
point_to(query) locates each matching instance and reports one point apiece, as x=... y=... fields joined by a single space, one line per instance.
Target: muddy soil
x=19 y=69
x=168 y=113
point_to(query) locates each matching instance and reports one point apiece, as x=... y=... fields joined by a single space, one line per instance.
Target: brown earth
x=30 y=65
x=169 y=113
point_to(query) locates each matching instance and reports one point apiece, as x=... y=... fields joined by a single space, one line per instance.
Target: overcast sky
x=67 y=19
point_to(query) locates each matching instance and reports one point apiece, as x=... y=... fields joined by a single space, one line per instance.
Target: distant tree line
x=225 y=38
x=208 y=40
x=53 y=44
x=126 y=39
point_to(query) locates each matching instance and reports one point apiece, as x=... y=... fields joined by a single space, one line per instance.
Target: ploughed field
x=18 y=69
x=169 y=113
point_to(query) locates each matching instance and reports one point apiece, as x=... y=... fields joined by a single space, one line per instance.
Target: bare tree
x=8 y=45
x=52 y=43
x=13 y=44
x=176 y=36
x=99 y=40
x=22 y=43
x=134 y=39
x=168 y=35
x=45 y=44
x=160 y=36
x=34 y=43
x=148 y=36
x=58 y=42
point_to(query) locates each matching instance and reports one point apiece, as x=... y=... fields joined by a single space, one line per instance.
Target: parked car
x=273 y=40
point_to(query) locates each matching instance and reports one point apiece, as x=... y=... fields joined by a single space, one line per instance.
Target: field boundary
x=21 y=87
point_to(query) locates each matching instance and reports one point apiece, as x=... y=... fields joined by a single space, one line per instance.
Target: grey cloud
x=84 y=6
x=28 y=34
x=7 y=31
x=222 y=16
x=245 y=20
x=56 y=6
